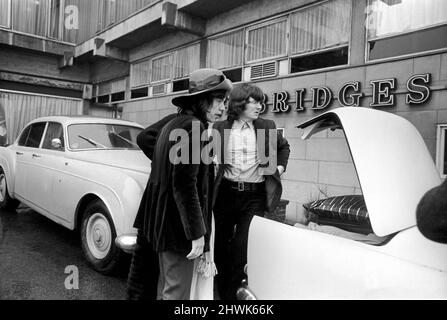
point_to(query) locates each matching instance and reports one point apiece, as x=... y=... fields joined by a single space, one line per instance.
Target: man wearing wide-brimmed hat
x=175 y=211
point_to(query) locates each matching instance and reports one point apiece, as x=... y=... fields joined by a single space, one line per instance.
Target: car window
x=102 y=136
x=54 y=131
x=24 y=136
x=35 y=135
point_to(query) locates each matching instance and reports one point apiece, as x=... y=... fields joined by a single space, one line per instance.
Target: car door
x=38 y=187
x=51 y=167
x=22 y=157
x=26 y=153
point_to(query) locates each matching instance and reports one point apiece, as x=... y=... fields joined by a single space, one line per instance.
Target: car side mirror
x=56 y=143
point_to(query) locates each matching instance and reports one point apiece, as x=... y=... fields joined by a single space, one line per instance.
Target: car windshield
x=102 y=136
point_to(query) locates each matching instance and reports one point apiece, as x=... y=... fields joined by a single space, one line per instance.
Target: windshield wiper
x=93 y=142
x=122 y=138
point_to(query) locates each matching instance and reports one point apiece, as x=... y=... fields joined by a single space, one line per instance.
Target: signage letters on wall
x=381 y=93
x=350 y=95
x=280 y=102
x=321 y=97
x=418 y=93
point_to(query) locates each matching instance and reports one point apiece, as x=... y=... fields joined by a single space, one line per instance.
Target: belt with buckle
x=244 y=186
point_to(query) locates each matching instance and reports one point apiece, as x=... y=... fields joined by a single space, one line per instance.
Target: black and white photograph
x=229 y=151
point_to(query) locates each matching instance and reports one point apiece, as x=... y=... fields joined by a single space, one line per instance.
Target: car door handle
x=36 y=155
x=19 y=153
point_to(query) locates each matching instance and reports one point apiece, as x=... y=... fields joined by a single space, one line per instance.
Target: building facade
x=130 y=58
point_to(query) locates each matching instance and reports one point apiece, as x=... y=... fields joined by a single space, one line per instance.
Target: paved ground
x=34 y=253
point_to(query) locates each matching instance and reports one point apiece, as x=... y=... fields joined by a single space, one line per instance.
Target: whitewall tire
x=98 y=238
x=6 y=202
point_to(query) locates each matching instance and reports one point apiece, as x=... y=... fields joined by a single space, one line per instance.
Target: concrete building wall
x=148 y=111
x=42 y=65
x=108 y=69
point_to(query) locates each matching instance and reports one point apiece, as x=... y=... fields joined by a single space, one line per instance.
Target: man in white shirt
x=245 y=183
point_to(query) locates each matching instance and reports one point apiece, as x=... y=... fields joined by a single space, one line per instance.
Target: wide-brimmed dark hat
x=202 y=81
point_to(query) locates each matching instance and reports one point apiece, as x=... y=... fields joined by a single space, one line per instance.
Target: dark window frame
x=62 y=149
x=320 y=53
x=403 y=37
x=441 y=150
x=180 y=80
x=136 y=90
x=24 y=133
x=27 y=142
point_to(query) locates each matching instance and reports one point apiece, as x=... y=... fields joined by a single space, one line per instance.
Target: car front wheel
x=6 y=202
x=98 y=238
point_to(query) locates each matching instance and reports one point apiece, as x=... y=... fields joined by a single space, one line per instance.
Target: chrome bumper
x=126 y=242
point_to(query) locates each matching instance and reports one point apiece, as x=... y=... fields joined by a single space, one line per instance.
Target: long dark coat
x=144 y=270
x=143 y=275
x=175 y=208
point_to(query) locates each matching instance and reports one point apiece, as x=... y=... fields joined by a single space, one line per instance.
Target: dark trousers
x=143 y=273
x=233 y=212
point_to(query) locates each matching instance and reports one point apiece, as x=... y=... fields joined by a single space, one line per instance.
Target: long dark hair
x=200 y=104
x=239 y=98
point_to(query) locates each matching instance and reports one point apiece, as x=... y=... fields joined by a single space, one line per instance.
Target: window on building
x=5 y=6
x=226 y=51
x=172 y=67
x=118 y=96
x=84 y=20
x=104 y=99
x=139 y=93
x=401 y=27
x=118 y=90
x=95 y=16
x=140 y=73
x=319 y=36
x=117 y=10
x=319 y=60
x=235 y=75
x=111 y=91
x=180 y=85
x=31 y=16
x=109 y=12
x=185 y=61
x=55 y=19
x=267 y=41
x=161 y=68
x=441 y=150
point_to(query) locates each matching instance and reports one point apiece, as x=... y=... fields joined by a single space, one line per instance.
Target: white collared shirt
x=241 y=154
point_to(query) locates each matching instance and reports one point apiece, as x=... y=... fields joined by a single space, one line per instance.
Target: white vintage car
x=394 y=169
x=84 y=173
